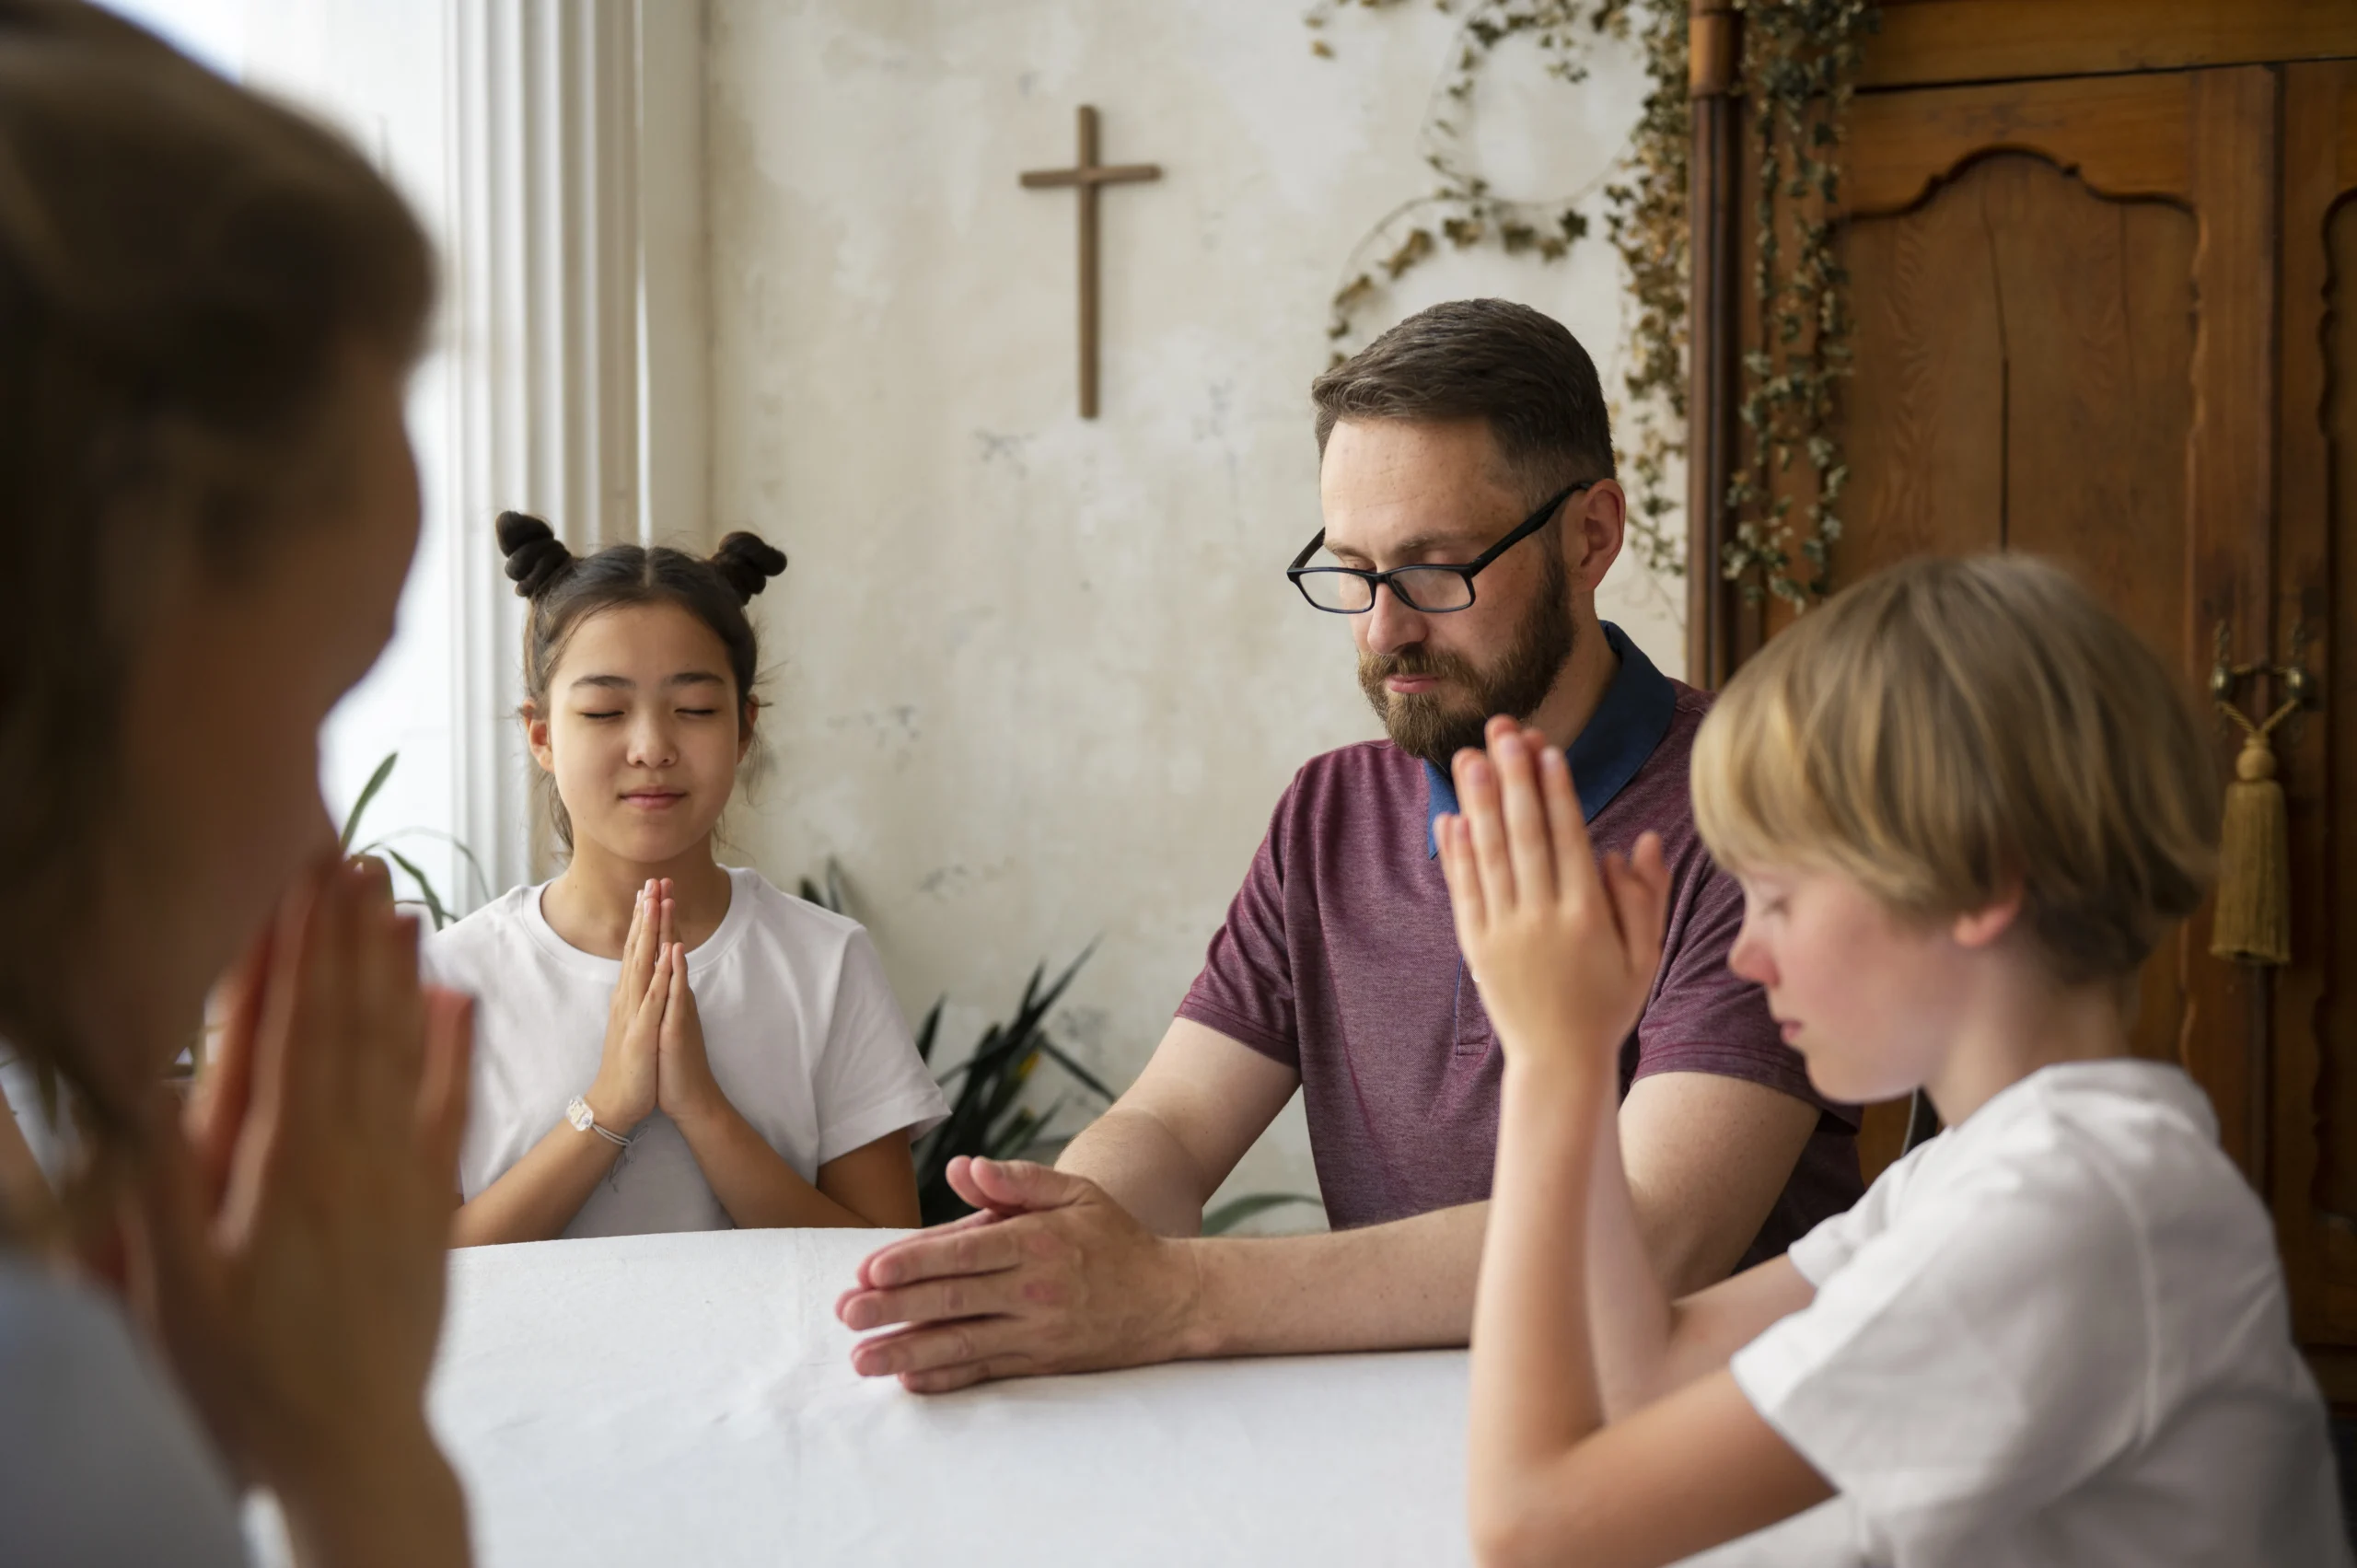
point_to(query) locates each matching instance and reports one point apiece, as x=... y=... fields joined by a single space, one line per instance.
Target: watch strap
x=579 y=1114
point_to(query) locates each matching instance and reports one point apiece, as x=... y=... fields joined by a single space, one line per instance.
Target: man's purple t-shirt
x=1339 y=958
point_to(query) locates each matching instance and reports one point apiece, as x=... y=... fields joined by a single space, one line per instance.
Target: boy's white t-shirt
x=2056 y=1334
x=804 y=1038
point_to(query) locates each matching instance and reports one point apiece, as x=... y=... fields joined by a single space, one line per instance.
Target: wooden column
x=1714 y=206
x=2230 y=533
x=2314 y=1029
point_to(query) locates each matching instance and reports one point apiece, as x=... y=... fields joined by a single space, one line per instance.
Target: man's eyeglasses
x=1430 y=590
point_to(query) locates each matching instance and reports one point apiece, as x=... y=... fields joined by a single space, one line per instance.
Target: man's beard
x=1435 y=724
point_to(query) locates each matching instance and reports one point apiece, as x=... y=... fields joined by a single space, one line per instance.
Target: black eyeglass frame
x=1377 y=581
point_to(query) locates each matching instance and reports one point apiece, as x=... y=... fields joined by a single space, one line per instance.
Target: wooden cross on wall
x=1087 y=174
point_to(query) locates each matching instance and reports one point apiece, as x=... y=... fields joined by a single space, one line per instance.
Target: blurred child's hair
x=565 y=590
x=185 y=270
x=1946 y=728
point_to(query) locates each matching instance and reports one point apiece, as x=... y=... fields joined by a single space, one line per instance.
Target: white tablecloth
x=689 y=1400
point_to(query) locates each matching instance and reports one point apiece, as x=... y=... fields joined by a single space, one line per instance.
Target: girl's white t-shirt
x=803 y=1034
x=2057 y=1334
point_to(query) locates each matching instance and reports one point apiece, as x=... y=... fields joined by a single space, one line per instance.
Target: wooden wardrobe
x=2103 y=280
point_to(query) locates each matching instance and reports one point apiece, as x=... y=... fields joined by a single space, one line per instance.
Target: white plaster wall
x=1037 y=682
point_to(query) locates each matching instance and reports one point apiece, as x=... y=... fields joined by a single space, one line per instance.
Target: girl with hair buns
x=663 y=1043
x=208 y=309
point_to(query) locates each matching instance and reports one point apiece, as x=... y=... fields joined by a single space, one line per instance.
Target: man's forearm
x=1404 y=1285
x=1396 y=1286
x=1143 y=1167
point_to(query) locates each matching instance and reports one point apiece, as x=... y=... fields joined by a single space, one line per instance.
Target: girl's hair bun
x=746 y=562
x=536 y=557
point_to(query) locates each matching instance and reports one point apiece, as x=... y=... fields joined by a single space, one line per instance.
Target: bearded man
x=1466 y=478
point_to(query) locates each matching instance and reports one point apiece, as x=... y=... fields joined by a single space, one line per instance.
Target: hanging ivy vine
x=1800 y=57
x=1642 y=221
x=1645 y=220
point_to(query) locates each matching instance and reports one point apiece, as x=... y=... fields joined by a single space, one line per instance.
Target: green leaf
x=442 y=916
x=990 y=1052
x=1056 y=1053
x=482 y=879
x=376 y=781
x=1020 y=1133
x=984 y=1118
x=1236 y=1210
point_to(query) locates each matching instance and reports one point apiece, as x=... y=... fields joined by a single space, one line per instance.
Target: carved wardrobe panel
x=2101 y=267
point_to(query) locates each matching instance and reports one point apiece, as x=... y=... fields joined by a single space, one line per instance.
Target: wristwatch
x=584 y=1120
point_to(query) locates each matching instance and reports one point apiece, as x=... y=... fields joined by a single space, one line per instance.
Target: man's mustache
x=1376 y=668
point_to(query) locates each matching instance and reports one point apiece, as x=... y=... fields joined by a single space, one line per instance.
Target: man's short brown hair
x=1517 y=371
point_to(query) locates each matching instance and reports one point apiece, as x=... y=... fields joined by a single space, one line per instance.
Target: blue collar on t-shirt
x=1604 y=756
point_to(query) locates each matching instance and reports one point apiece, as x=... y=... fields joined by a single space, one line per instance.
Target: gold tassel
x=2254 y=920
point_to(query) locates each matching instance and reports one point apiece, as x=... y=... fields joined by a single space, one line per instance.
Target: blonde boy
x=1964 y=804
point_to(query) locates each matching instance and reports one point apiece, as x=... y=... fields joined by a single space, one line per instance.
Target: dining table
x=689 y=1398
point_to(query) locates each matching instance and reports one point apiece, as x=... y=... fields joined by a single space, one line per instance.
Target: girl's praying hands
x=629 y=1081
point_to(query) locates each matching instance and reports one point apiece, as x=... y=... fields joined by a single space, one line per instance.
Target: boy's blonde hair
x=1946 y=727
